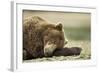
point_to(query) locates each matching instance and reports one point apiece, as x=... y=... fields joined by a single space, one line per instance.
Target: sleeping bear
x=43 y=39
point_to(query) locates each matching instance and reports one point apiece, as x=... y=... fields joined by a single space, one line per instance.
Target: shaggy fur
x=37 y=33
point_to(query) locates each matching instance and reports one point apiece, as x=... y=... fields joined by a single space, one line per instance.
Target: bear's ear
x=59 y=26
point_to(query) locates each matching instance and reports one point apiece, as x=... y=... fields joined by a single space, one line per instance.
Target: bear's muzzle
x=49 y=49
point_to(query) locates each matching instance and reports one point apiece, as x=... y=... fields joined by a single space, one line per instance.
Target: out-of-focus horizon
x=69 y=19
x=77 y=25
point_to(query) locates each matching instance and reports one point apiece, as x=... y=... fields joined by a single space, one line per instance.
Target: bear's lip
x=49 y=49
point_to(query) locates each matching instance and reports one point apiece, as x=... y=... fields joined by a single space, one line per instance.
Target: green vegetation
x=82 y=33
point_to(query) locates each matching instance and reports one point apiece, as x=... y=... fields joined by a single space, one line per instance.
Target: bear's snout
x=49 y=49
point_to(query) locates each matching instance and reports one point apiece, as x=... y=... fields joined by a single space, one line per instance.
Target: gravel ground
x=85 y=54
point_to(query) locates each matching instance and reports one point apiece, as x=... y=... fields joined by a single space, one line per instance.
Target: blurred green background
x=77 y=27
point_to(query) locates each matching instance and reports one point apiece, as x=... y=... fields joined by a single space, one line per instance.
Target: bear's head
x=53 y=39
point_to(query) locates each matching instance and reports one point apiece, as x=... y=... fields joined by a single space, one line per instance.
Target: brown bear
x=43 y=39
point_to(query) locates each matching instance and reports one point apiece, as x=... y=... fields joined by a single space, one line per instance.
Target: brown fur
x=67 y=51
x=35 y=31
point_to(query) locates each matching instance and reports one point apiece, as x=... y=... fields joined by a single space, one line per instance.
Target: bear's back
x=33 y=21
x=32 y=31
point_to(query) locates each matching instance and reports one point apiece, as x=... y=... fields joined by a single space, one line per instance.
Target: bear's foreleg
x=67 y=51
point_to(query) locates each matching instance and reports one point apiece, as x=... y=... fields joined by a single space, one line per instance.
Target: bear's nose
x=48 y=54
x=47 y=51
